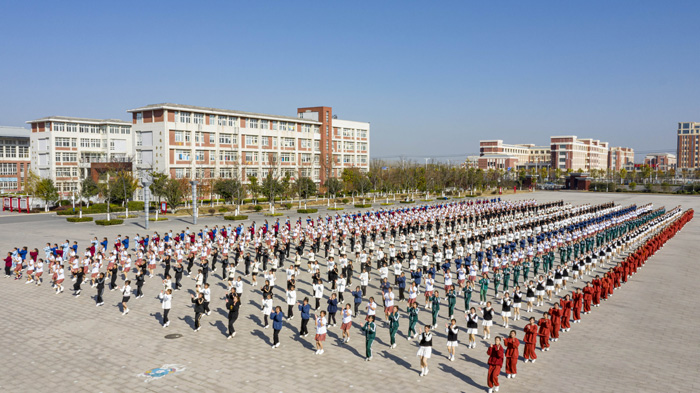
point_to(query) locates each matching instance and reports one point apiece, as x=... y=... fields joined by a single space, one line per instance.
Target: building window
x=275 y=125
x=59 y=126
x=199 y=155
x=212 y=138
x=306 y=158
x=287 y=157
x=184 y=117
x=265 y=142
x=306 y=128
x=198 y=118
x=252 y=123
x=306 y=143
x=225 y=139
x=251 y=140
x=139 y=117
x=288 y=142
x=251 y=157
x=250 y=172
x=72 y=127
x=231 y=121
x=182 y=155
x=265 y=124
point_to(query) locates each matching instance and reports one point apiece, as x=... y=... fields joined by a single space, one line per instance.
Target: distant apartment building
x=494 y=154
x=194 y=142
x=661 y=161
x=620 y=157
x=14 y=158
x=65 y=148
x=570 y=152
x=688 y=145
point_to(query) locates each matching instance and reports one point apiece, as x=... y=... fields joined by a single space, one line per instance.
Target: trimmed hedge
x=287 y=206
x=238 y=217
x=159 y=219
x=336 y=208
x=363 y=205
x=273 y=214
x=257 y=208
x=79 y=219
x=407 y=201
x=109 y=222
x=96 y=208
x=306 y=211
x=386 y=204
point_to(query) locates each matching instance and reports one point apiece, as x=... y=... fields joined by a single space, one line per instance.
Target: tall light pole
x=146 y=183
x=195 y=209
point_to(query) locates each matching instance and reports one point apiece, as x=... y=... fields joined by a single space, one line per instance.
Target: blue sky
x=433 y=78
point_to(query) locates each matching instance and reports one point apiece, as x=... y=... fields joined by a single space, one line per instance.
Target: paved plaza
x=642 y=339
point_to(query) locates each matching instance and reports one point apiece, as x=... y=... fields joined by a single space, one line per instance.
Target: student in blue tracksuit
x=357 y=295
x=277 y=318
x=304 y=309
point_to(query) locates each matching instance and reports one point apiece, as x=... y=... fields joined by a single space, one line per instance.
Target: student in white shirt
x=166 y=302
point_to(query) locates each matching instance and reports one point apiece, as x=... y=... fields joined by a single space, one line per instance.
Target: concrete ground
x=640 y=340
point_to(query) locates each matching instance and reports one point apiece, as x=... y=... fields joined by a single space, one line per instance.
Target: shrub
x=345 y=200
x=211 y=210
x=246 y=201
x=79 y=219
x=130 y=216
x=263 y=200
x=223 y=209
x=287 y=205
x=363 y=205
x=307 y=211
x=273 y=214
x=136 y=205
x=386 y=203
x=257 y=208
x=632 y=186
x=159 y=219
x=238 y=217
x=407 y=201
x=109 y=222
x=335 y=208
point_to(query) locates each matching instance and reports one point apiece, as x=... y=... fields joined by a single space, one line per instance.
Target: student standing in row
x=530 y=341
x=304 y=310
x=100 y=284
x=321 y=329
x=233 y=305
x=166 y=302
x=370 y=330
x=425 y=350
x=346 y=316
x=452 y=329
x=277 y=318
x=393 y=325
x=512 y=343
x=198 y=303
x=126 y=295
x=495 y=363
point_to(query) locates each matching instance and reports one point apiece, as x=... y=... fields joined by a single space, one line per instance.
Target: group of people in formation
x=433 y=253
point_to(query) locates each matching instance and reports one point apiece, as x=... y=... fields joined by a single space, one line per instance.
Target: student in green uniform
x=451 y=301
x=516 y=272
x=536 y=263
x=562 y=255
x=497 y=276
x=412 y=320
x=435 y=303
x=506 y=277
x=394 y=325
x=468 y=295
x=484 y=282
x=370 y=330
x=551 y=261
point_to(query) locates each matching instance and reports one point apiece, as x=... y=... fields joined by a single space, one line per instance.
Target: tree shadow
x=474 y=360
x=258 y=333
x=465 y=378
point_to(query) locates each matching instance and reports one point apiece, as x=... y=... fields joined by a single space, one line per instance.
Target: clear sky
x=433 y=78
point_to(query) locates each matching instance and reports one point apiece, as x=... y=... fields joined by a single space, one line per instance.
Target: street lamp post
x=194 y=201
x=146 y=194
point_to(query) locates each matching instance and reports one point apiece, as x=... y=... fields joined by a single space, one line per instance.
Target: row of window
x=7 y=168
x=14 y=151
x=231 y=121
x=89 y=128
x=67 y=172
x=8 y=185
x=66 y=157
x=228 y=173
x=352 y=133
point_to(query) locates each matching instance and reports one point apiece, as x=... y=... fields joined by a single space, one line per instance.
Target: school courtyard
x=643 y=339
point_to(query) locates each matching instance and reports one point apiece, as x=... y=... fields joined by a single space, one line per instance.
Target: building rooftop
x=16 y=132
x=69 y=119
x=220 y=111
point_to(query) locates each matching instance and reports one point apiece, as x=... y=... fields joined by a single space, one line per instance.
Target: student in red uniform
x=566 y=305
x=512 y=343
x=545 y=326
x=578 y=302
x=555 y=314
x=530 y=341
x=588 y=293
x=495 y=353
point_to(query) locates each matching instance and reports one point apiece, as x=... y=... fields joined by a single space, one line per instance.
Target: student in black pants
x=178 y=275
x=140 y=280
x=113 y=279
x=167 y=264
x=100 y=289
x=198 y=310
x=78 y=280
x=232 y=304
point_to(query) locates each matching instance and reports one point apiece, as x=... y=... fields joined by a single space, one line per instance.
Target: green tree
x=88 y=189
x=174 y=192
x=46 y=190
x=253 y=186
x=158 y=182
x=31 y=180
x=305 y=187
x=228 y=189
x=271 y=187
x=333 y=185
x=123 y=185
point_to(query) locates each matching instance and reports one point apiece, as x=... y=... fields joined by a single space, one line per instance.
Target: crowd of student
x=434 y=253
